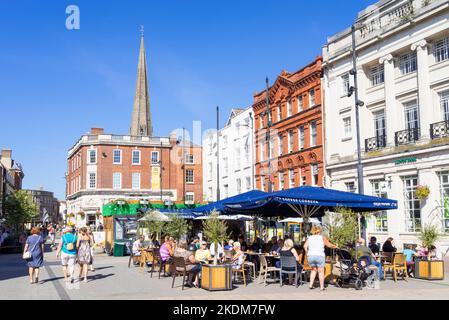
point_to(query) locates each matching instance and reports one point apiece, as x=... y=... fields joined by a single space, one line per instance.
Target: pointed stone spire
x=141 y=118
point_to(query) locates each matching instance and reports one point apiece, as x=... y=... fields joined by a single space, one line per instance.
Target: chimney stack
x=6 y=158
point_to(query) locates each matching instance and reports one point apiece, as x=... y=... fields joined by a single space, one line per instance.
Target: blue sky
x=56 y=84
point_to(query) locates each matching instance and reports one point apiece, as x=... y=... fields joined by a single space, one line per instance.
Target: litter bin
x=119 y=249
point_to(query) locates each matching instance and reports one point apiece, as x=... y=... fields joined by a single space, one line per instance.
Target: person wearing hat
x=203 y=255
x=68 y=255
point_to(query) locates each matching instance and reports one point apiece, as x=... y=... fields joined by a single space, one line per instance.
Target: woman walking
x=35 y=245
x=316 y=257
x=84 y=246
x=68 y=256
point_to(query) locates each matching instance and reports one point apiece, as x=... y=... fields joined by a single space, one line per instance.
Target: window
x=248 y=183
x=290 y=141
x=135 y=181
x=347 y=128
x=189 y=158
x=237 y=157
x=300 y=103
x=412 y=205
x=225 y=141
x=444 y=198
x=314 y=174
x=380 y=218
x=190 y=198
x=345 y=84
x=303 y=177
x=411 y=115
x=263 y=183
x=377 y=75
x=154 y=157
x=271 y=148
x=444 y=102
x=247 y=150
x=92 y=180
x=312 y=97
x=407 y=63
x=261 y=121
x=350 y=186
x=262 y=151
x=289 y=108
x=291 y=178
x=92 y=156
x=225 y=162
x=270 y=117
x=117 y=156
x=281 y=181
x=280 y=146
x=313 y=134
x=136 y=157
x=279 y=112
x=116 y=180
x=189 y=176
x=226 y=191
x=441 y=50
x=238 y=183
x=301 y=139
x=379 y=124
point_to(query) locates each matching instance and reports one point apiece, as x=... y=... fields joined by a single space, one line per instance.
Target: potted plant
x=429 y=269
x=216 y=277
x=422 y=192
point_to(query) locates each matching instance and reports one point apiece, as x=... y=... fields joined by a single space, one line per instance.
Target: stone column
x=390 y=99
x=424 y=95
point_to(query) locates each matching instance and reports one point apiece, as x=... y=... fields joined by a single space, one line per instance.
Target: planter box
x=429 y=270
x=216 y=278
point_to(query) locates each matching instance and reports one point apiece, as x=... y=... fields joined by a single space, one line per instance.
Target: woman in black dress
x=35 y=245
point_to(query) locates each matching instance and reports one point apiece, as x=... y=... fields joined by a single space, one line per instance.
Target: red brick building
x=290 y=151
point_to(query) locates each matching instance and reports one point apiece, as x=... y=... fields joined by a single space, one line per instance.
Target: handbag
x=27 y=254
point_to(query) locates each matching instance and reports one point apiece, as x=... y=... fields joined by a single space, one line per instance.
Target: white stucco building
x=236 y=164
x=403 y=75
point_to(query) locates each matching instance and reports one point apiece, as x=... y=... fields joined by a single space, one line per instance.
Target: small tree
x=429 y=235
x=216 y=231
x=20 y=209
x=154 y=227
x=176 y=227
x=342 y=226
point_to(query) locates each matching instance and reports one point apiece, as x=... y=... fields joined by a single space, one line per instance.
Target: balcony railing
x=376 y=143
x=439 y=129
x=407 y=136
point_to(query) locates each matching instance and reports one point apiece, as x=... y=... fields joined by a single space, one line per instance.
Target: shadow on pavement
x=99 y=276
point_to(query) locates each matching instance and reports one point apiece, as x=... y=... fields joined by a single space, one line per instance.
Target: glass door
x=411 y=116
x=380 y=128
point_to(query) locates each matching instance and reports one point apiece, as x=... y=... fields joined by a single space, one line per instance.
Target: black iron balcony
x=376 y=143
x=439 y=129
x=407 y=136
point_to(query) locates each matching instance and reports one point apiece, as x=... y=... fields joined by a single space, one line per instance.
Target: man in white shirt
x=137 y=245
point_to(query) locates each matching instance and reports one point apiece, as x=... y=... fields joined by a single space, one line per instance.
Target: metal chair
x=289 y=266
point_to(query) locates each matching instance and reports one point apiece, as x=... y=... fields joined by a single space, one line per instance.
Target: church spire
x=141 y=117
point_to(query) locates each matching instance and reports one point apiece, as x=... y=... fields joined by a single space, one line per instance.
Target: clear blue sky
x=56 y=84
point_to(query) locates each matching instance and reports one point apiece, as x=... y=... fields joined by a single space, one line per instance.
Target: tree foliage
x=429 y=235
x=177 y=227
x=215 y=231
x=20 y=209
x=343 y=227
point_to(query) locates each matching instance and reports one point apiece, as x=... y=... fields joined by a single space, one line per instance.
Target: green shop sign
x=405 y=161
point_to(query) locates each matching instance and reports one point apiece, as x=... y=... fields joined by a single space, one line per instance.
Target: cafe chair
x=399 y=265
x=241 y=270
x=290 y=266
x=265 y=269
x=178 y=268
x=387 y=258
x=135 y=259
x=252 y=268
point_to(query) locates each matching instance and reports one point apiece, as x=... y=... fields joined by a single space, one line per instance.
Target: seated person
x=389 y=246
x=422 y=252
x=363 y=251
x=243 y=244
x=137 y=245
x=203 y=254
x=274 y=244
x=193 y=267
x=239 y=256
x=166 y=249
x=196 y=242
x=373 y=245
x=434 y=254
x=288 y=250
x=409 y=254
x=255 y=246
x=229 y=245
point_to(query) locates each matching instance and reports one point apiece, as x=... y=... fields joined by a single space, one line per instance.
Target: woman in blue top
x=68 y=256
x=35 y=245
x=409 y=254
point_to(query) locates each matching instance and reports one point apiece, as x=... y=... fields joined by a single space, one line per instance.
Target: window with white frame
x=225 y=166
x=281 y=180
x=154 y=157
x=248 y=183
x=270 y=117
x=300 y=103
x=291 y=178
x=381 y=217
x=444 y=198
x=279 y=112
x=189 y=158
x=247 y=150
x=313 y=134
x=136 y=157
x=302 y=137
x=271 y=148
x=312 y=97
x=263 y=183
x=238 y=183
x=117 y=156
x=444 y=102
x=289 y=108
x=92 y=180
x=350 y=186
x=116 y=180
x=345 y=83
x=314 y=174
x=290 y=141
x=303 y=177
x=189 y=176
x=280 y=145
x=441 y=50
x=237 y=157
x=92 y=156
x=261 y=121
x=377 y=75
x=412 y=204
x=408 y=63
x=190 y=198
x=226 y=191
x=135 y=181
x=262 y=151
x=411 y=115
x=347 y=128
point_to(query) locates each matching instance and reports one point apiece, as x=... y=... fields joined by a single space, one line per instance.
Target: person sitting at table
x=373 y=245
x=239 y=256
x=389 y=246
x=219 y=252
x=166 y=249
x=422 y=252
x=363 y=251
x=255 y=246
x=409 y=254
x=137 y=245
x=274 y=244
x=288 y=250
x=229 y=245
x=193 y=267
x=434 y=254
x=203 y=254
x=196 y=242
x=243 y=244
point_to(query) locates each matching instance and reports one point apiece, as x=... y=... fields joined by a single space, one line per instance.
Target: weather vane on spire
x=142 y=30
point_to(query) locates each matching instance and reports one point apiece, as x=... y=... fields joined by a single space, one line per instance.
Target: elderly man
x=137 y=245
x=364 y=252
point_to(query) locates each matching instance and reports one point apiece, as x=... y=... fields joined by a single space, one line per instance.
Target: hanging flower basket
x=422 y=192
x=81 y=214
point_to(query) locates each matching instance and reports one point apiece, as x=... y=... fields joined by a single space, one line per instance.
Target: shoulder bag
x=27 y=255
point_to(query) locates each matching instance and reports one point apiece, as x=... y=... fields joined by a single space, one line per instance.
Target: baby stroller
x=354 y=272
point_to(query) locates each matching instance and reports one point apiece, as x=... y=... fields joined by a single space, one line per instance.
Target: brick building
x=289 y=152
x=104 y=167
x=11 y=176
